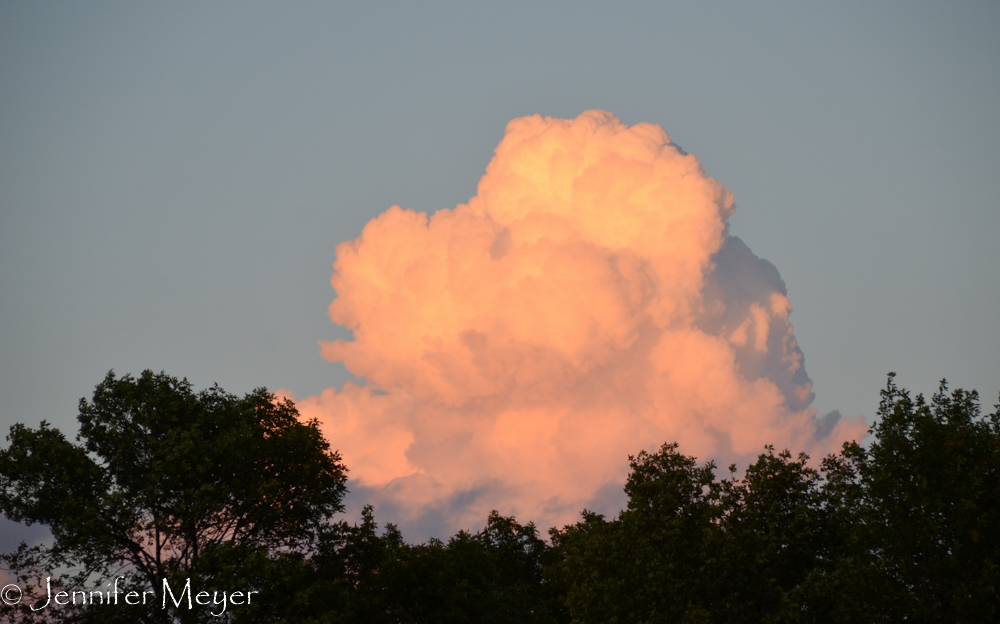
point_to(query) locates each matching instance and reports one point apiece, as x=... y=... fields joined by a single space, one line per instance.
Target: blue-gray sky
x=174 y=177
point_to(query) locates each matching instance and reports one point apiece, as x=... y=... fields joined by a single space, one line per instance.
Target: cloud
x=587 y=303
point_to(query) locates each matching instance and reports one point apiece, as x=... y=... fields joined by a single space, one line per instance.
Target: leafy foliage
x=494 y=575
x=932 y=506
x=648 y=564
x=908 y=529
x=164 y=480
x=237 y=492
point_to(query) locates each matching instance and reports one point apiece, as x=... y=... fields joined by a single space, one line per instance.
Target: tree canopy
x=163 y=479
x=166 y=483
x=907 y=529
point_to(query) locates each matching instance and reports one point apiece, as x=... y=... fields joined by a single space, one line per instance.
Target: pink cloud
x=587 y=303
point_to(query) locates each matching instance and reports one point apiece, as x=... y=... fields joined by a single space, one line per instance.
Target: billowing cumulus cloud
x=587 y=303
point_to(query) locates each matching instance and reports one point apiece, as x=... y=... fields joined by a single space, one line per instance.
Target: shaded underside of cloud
x=587 y=303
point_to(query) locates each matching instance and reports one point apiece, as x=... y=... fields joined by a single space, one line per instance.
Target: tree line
x=166 y=488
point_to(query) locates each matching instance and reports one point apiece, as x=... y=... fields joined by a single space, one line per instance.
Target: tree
x=652 y=563
x=906 y=530
x=931 y=513
x=493 y=575
x=779 y=531
x=166 y=483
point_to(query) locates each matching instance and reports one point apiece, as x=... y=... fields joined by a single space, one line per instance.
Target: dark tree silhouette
x=165 y=483
x=237 y=492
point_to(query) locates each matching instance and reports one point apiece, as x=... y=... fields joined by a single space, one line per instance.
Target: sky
x=175 y=180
